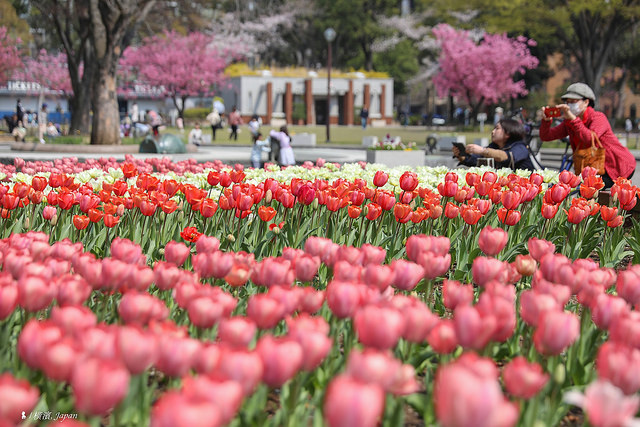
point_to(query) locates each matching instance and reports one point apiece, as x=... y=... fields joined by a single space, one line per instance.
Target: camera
x=552 y=112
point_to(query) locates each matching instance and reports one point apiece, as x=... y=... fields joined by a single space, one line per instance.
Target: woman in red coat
x=579 y=120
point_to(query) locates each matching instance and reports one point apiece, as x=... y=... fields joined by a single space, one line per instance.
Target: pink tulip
x=137 y=348
x=59 y=359
x=208 y=358
x=306 y=267
x=381 y=368
x=473 y=330
x=237 y=331
x=523 y=379
x=207 y=244
x=176 y=355
x=215 y=264
x=318 y=246
x=141 y=308
x=605 y=404
x=560 y=293
x=343 y=298
x=174 y=409
x=114 y=273
x=176 y=252
x=467 y=393
x=372 y=254
x=204 y=312
x=311 y=333
x=533 y=304
x=492 y=240
x=127 y=251
x=525 y=265
x=406 y=274
x=265 y=311
x=620 y=365
x=349 y=402
x=16 y=396
x=288 y=297
x=377 y=276
x=347 y=272
x=404 y=381
x=379 y=326
x=227 y=395
x=625 y=328
x=72 y=290
x=419 y=321
x=166 y=275
x=485 y=270
x=434 y=265
x=100 y=341
x=8 y=299
x=49 y=212
x=311 y=300
x=455 y=294
x=273 y=272
x=242 y=366
x=73 y=320
x=35 y=292
x=539 y=248
x=606 y=308
x=556 y=331
x=628 y=284
x=442 y=337
x=281 y=358
x=98 y=385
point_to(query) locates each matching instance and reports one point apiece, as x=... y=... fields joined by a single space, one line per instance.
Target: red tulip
x=523 y=379
x=350 y=402
x=451 y=211
x=373 y=211
x=508 y=217
x=408 y=181
x=380 y=178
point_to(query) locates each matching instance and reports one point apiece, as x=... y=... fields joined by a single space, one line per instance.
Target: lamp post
x=329 y=36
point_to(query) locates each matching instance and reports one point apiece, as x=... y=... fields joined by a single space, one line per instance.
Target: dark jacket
x=517 y=153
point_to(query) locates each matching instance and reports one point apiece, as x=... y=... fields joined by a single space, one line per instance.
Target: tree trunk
x=106 y=117
x=80 y=106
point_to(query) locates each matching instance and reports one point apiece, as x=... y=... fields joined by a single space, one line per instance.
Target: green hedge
x=196 y=113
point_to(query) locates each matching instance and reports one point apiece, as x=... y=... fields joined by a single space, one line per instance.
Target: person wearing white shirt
x=195 y=136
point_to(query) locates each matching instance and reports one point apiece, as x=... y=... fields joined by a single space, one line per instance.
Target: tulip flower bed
x=337 y=295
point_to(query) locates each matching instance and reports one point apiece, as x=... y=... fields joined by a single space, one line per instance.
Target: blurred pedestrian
x=214 y=120
x=195 y=136
x=364 y=117
x=286 y=157
x=42 y=123
x=260 y=145
x=254 y=127
x=235 y=120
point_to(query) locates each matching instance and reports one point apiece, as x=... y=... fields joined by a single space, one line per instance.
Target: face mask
x=575 y=108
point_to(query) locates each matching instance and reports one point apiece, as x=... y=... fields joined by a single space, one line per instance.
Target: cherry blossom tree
x=9 y=54
x=484 y=71
x=183 y=66
x=48 y=70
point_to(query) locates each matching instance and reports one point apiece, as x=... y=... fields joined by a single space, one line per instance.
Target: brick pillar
x=366 y=100
x=308 y=102
x=383 y=97
x=366 y=97
x=269 y=102
x=348 y=105
x=288 y=102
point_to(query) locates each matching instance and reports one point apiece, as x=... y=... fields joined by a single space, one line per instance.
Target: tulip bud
x=315 y=203
x=365 y=210
x=54 y=220
x=268 y=197
x=276 y=230
x=161 y=251
x=27 y=223
x=539 y=423
x=413 y=204
x=231 y=238
x=180 y=216
x=120 y=210
x=181 y=205
x=559 y=374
